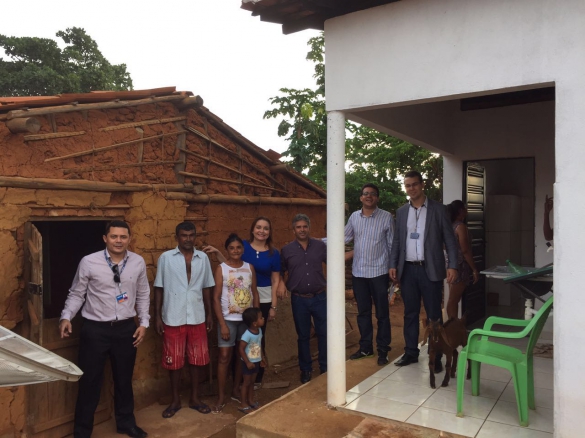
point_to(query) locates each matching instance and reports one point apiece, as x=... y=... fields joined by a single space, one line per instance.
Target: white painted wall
x=415 y=51
x=453 y=185
x=569 y=324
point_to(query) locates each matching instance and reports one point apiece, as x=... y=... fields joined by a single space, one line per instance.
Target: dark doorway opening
x=65 y=243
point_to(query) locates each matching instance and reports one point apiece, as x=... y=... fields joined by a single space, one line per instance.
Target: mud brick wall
x=27 y=158
x=151 y=215
x=152 y=219
x=226 y=218
x=12 y=407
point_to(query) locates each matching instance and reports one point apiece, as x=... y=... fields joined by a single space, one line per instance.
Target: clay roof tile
x=17 y=102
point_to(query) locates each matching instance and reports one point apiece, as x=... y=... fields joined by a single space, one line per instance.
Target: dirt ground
x=190 y=423
x=290 y=371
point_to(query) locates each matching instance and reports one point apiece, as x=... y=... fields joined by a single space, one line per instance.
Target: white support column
x=568 y=321
x=452 y=178
x=452 y=190
x=336 y=387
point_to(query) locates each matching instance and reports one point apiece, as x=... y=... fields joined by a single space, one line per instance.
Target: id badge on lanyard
x=415 y=235
x=122 y=297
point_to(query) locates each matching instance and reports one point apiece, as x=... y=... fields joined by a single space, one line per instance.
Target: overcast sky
x=213 y=48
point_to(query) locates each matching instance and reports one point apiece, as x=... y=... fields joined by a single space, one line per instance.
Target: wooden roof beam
x=290 y=11
x=279 y=8
x=245 y=199
x=27 y=125
x=86 y=185
x=316 y=22
x=90 y=106
x=275 y=18
x=297 y=178
x=287 y=12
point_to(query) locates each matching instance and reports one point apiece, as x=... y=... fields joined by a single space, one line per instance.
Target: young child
x=251 y=354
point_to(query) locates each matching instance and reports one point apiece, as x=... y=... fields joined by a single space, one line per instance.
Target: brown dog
x=445 y=338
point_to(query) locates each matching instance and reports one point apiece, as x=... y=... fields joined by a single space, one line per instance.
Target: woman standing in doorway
x=465 y=264
x=265 y=258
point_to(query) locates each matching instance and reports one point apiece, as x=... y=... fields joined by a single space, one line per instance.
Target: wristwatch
x=274 y=307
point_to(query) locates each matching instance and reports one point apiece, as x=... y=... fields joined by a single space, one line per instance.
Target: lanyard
x=111 y=265
x=417 y=212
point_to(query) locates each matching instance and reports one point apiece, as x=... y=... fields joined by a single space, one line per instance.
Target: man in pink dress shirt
x=111 y=288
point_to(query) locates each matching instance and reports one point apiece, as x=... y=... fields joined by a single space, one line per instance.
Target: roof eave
x=297 y=15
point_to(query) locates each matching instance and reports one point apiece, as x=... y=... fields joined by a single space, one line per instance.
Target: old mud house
x=154 y=158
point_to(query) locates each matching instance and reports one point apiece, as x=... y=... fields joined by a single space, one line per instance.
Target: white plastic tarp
x=23 y=362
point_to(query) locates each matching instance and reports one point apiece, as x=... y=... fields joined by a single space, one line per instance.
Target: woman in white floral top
x=235 y=291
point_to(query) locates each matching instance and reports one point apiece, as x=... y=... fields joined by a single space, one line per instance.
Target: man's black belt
x=415 y=262
x=294 y=292
x=110 y=323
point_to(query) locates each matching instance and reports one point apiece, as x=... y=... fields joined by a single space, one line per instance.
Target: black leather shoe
x=305 y=376
x=382 y=359
x=134 y=432
x=438 y=367
x=405 y=360
x=360 y=354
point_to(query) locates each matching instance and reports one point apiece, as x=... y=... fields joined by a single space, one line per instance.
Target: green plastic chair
x=481 y=349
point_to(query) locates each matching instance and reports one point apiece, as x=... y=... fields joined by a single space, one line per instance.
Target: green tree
x=371 y=155
x=39 y=67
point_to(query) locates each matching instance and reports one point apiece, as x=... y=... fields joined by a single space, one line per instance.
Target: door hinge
x=35 y=289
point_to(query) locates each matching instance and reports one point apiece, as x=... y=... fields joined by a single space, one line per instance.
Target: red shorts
x=192 y=338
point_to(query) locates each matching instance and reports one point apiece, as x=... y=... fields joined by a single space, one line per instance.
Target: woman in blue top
x=260 y=253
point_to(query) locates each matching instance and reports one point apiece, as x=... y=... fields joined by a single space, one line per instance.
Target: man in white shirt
x=417 y=261
x=182 y=294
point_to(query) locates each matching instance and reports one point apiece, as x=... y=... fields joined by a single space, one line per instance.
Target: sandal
x=255 y=405
x=170 y=412
x=202 y=408
x=217 y=409
x=246 y=410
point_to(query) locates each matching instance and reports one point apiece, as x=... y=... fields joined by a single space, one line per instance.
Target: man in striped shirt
x=372 y=231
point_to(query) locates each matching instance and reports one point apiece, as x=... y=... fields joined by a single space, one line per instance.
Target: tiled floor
x=404 y=394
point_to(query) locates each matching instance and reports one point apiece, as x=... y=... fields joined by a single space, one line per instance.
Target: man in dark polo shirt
x=302 y=267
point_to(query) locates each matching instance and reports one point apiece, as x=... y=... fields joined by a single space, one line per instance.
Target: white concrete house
x=482 y=83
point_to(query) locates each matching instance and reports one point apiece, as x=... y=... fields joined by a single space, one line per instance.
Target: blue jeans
x=415 y=284
x=367 y=290
x=303 y=309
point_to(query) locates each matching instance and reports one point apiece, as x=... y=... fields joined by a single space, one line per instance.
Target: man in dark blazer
x=417 y=260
